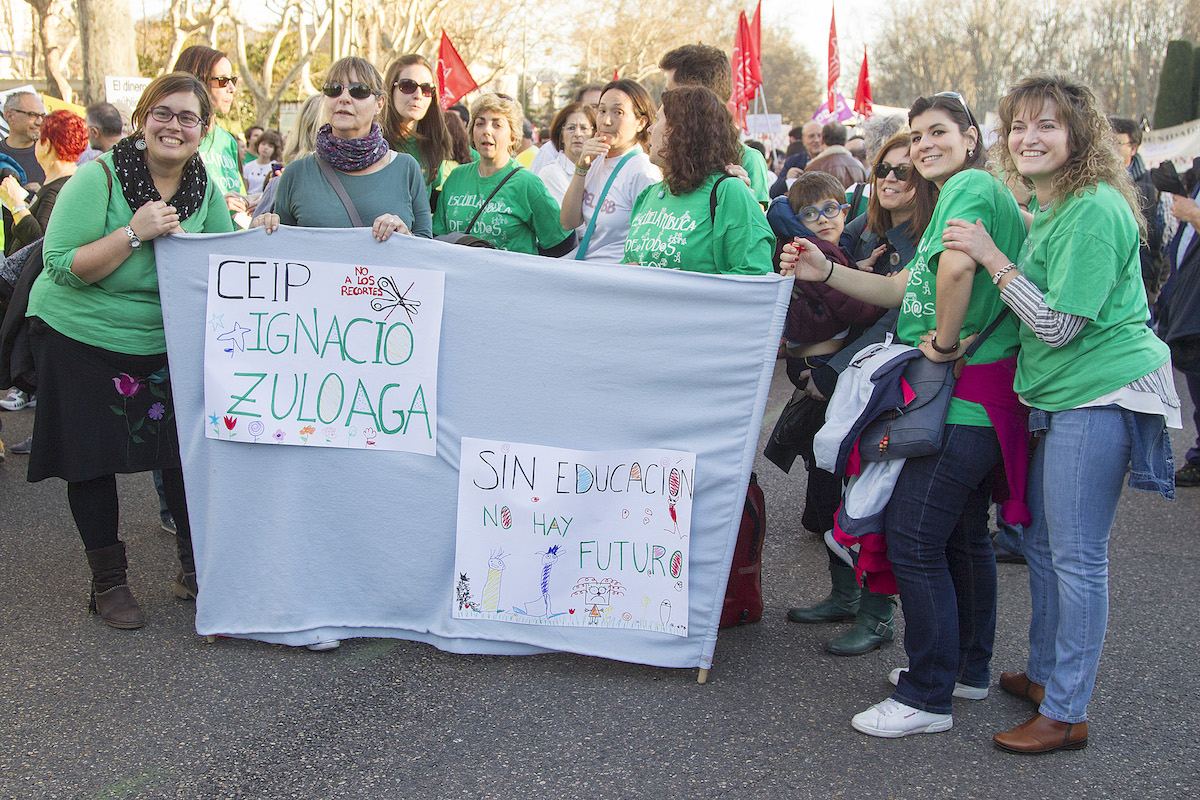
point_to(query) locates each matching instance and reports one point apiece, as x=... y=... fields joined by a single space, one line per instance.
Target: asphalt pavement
x=87 y=711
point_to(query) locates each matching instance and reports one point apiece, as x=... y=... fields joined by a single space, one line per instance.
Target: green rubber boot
x=840 y=605
x=874 y=625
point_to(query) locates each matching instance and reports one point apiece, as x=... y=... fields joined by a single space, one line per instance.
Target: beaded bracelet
x=581 y=172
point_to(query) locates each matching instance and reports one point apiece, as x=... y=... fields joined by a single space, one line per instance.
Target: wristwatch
x=134 y=241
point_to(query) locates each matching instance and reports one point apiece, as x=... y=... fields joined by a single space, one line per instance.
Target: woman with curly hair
x=610 y=172
x=412 y=118
x=1097 y=379
x=695 y=219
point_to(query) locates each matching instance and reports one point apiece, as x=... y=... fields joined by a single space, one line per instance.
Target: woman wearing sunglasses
x=495 y=198
x=97 y=332
x=695 y=219
x=611 y=171
x=936 y=522
x=218 y=149
x=412 y=118
x=1098 y=380
x=886 y=238
x=384 y=189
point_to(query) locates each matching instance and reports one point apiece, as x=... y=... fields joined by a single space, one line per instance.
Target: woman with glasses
x=384 y=189
x=412 y=118
x=885 y=237
x=698 y=218
x=936 y=522
x=218 y=149
x=611 y=171
x=571 y=128
x=1098 y=380
x=495 y=198
x=97 y=332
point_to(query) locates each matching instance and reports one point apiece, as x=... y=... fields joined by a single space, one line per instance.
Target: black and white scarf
x=129 y=161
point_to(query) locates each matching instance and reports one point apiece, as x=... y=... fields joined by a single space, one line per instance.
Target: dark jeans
x=1193 y=385
x=937 y=540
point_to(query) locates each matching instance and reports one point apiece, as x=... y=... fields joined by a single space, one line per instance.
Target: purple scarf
x=351 y=155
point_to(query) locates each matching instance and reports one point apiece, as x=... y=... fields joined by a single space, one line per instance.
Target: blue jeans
x=937 y=540
x=1074 y=485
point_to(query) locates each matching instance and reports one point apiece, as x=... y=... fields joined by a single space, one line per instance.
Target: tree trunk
x=55 y=79
x=108 y=44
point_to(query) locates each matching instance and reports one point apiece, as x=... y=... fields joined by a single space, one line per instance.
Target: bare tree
x=188 y=18
x=108 y=47
x=266 y=91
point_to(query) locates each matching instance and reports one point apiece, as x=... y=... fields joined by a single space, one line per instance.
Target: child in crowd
x=819 y=319
x=268 y=149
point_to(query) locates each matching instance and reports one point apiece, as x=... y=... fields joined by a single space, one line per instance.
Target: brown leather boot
x=110 y=597
x=1043 y=735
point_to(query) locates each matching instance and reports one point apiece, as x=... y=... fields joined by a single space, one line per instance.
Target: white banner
x=322 y=354
x=1180 y=144
x=550 y=536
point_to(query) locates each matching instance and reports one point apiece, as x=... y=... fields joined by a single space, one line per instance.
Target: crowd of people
x=1035 y=271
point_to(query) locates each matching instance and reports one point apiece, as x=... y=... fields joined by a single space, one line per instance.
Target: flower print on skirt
x=99 y=412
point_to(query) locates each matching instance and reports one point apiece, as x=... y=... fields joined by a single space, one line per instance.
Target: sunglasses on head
x=963 y=103
x=409 y=86
x=222 y=81
x=902 y=170
x=359 y=91
x=830 y=209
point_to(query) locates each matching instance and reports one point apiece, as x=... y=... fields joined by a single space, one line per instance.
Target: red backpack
x=743 y=595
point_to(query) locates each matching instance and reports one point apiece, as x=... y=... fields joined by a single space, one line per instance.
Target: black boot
x=840 y=605
x=874 y=625
x=110 y=597
x=185 y=586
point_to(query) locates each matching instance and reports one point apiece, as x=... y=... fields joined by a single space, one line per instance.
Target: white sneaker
x=17 y=400
x=328 y=644
x=891 y=719
x=960 y=689
x=847 y=554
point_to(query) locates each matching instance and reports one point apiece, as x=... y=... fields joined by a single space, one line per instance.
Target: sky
x=858 y=21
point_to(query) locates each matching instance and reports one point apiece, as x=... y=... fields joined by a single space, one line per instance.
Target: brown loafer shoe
x=1043 y=735
x=1019 y=685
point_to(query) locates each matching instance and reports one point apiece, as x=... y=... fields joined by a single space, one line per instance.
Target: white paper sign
x=124 y=92
x=550 y=536
x=322 y=354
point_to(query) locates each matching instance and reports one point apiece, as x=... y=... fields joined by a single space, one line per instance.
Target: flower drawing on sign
x=230 y=424
x=369 y=434
x=256 y=429
x=330 y=433
x=305 y=432
x=278 y=435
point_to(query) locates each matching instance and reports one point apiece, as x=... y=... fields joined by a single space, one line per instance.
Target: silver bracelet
x=1000 y=273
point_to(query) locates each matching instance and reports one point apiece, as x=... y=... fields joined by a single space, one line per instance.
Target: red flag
x=616 y=74
x=754 y=51
x=454 y=79
x=862 y=95
x=835 y=63
x=739 y=103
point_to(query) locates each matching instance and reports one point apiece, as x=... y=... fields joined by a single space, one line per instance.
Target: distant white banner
x=1179 y=144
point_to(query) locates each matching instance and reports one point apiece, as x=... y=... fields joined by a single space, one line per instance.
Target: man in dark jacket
x=1154 y=269
x=1179 y=322
x=835 y=159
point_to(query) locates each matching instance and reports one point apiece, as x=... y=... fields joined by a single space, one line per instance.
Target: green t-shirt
x=680 y=232
x=121 y=311
x=521 y=217
x=756 y=166
x=444 y=169
x=972 y=195
x=1083 y=255
x=219 y=152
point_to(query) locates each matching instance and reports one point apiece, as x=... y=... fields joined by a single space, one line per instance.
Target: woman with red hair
x=64 y=137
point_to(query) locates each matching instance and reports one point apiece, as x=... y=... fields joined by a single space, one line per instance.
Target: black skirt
x=98 y=412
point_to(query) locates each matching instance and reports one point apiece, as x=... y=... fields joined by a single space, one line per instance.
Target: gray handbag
x=916 y=429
